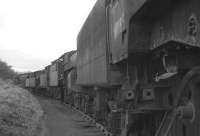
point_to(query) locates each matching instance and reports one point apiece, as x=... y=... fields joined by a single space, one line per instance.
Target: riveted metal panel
x=53 y=78
x=157 y=22
x=66 y=58
x=47 y=70
x=130 y=25
x=140 y=16
x=120 y=13
x=118 y=31
x=32 y=82
x=139 y=35
x=174 y=25
x=91 y=49
x=27 y=83
x=43 y=79
x=73 y=59
x=67 y=61
x=53 y=75
x=71 y=81
x=37 y=78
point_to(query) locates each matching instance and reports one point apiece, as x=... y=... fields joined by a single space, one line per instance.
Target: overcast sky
x=35 y=32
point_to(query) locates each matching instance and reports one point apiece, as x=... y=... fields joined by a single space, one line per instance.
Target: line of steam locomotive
x=136 y=69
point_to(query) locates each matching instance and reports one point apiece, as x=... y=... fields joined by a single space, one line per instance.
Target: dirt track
x=61 y=120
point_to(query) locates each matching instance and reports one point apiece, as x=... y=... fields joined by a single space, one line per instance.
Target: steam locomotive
x=136 y=69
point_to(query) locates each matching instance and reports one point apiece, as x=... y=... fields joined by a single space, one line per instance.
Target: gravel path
x=61 y=120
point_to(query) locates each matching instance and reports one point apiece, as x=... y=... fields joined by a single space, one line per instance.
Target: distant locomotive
x=136 y=69
x=52 y=81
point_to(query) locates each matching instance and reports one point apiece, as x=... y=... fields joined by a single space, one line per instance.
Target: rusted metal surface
x=73 y=59
x=37 y=78
x=60 y=69
x=56 y=72
x=118 y=31
x=139 y=20
x=157 y=23
x=71 y=81
x=47 y=68
x=53 y=75
x=120 y=13
x=66 y=60
x=43 y=79
x=115 y=122
x=27 y=82
x=139 y=36
x=179 y=23
x=138 y=26
x=37 y=74
x=32 y=82
x=93 y=65
x=92 y=61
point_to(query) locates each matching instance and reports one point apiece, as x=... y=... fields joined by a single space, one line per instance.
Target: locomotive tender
x=136 y=69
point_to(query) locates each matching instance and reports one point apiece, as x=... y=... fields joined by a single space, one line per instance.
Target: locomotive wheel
x=188 y=109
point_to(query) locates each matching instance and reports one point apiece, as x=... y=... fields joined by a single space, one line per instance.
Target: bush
x=6 y=71
x=20 y=113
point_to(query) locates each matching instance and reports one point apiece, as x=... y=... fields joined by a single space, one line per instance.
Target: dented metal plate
x=92 y=49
